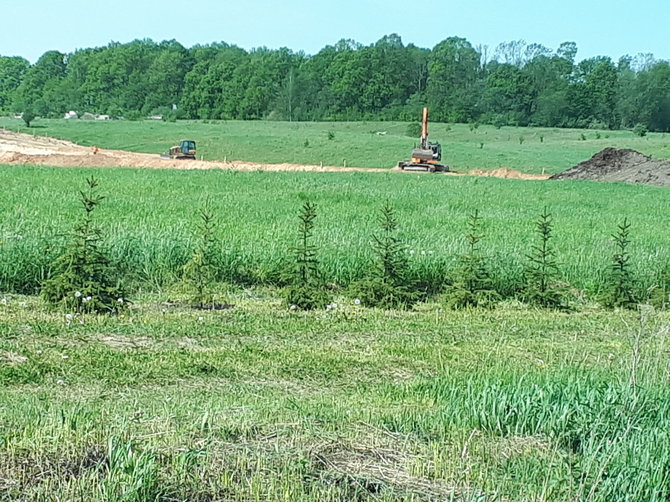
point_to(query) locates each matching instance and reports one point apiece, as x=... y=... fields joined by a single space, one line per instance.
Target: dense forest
x=514 y=84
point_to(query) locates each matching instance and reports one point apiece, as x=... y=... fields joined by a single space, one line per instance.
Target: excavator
x=184 y=150
x=427 y=156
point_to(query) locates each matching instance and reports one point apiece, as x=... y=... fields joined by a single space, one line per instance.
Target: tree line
x=514 y=84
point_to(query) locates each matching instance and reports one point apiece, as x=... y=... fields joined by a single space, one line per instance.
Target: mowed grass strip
x=257 y=403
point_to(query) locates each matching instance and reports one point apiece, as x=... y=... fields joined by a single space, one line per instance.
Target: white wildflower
x=293 y=307
x=77 y=294
x=65 y=356
x=60 y=382
x=120 y=300
x=201 y=318
x=4 y=301
x=411 y=251
x=69 y=317
x=87 y=299
x=357 y=301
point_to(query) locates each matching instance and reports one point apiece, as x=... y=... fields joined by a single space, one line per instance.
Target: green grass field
x=357 y=143
x=166 y=403
x=149 y=218
x=256 y=403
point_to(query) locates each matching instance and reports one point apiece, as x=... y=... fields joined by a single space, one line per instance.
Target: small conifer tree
x=200 y=271
x=390 y=285
x=541 y=275
x=620 y=287
x=472 y=286
x=82 y=279
x=306 y=291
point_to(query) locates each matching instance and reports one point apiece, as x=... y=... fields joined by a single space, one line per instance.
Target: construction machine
x=427 y=156
x=184 y=150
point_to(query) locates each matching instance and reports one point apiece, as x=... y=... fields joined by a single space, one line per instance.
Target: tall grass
x=148 y=217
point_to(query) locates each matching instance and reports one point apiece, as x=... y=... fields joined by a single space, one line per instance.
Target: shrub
x=413 y=130
x=331 y=135
x=389 y=285
x=28 y=115
x=472 y=286
x=83 y=280
x=306 y=291
x=640 y=130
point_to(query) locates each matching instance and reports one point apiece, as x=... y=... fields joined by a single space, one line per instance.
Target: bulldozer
x=185 y=150
x=427 y=156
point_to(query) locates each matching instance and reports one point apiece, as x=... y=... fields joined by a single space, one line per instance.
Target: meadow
x=258 y=402
x=531 y=150
x=149 y=219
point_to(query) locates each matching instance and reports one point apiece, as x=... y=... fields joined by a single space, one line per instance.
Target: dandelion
x=164 y=310
x=4 y=301
x=201 y=318
x=39 y=351
x=60 y=382
x=357 y=301
x=77 y=294
x=87 y=299
x=411 y=251
x=423 y=252
x=65 y=356
x=120 y=300
x=293 y=307
x=69 y=317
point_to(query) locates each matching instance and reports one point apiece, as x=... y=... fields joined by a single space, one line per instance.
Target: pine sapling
x=82 y=279
x=541 y=275
x=620 y=287
x=472 y=286
x=306 y=291
x=200 y=271
x=390 y=285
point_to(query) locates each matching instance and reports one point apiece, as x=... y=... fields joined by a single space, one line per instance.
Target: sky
x=599 y=27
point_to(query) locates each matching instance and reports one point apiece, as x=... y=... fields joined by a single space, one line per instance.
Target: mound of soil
x=628 y=166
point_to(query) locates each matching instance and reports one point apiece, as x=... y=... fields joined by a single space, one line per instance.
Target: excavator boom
x=428 y=156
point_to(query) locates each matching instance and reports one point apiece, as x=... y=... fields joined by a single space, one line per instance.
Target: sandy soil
x=25 y=149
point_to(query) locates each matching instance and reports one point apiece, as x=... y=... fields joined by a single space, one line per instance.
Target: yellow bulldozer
x=427 y=156
x=185 y=150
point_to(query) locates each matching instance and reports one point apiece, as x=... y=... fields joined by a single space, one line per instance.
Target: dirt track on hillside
x=25 y=149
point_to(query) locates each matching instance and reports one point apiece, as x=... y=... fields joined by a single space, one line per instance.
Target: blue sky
x=599 y=27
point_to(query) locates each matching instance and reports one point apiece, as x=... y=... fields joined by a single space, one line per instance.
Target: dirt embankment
x=628 y=166
x=24 y=149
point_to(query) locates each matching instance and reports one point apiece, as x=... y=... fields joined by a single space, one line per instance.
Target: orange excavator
x=427 y=156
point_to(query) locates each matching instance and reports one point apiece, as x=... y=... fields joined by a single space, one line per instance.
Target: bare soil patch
x=628 y=166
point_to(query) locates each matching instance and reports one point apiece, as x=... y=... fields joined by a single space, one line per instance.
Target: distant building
x=71 y=115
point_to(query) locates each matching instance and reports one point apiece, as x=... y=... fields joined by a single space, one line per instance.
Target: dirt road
x=25 y=149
